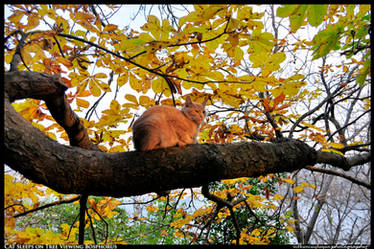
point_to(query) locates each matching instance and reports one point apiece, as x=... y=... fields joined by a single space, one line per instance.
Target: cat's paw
x=180 y=144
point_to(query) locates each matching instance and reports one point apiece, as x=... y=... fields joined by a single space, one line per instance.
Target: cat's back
x=159 y=114
x=161 y=109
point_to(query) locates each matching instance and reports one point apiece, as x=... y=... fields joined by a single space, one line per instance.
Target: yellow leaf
x=122 y=79
x=115 y=106
x=32 y=22
x=290 y=228
x=103 y=86
x=277 y=197
x=82 y=103
x=26 y=55
x=179 y=234
x=131 y=98
x=9 y=221
x=334 y=151
x=16 y=17
x=298 y=189
x=135 y=83
x=100 y=75
x=146 y=101
x=259 y=85
x=64 y=61
x=157 y=85
x=94 y=89
x=110 y=27
x=336 y=145
x=290 y=181
x=312 y=126
x=152 y=208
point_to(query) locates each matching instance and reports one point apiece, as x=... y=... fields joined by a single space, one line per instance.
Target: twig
x=145 y=68
x=71 y=226
x=92 y=228
x=331 y=172
x=166 y=206
x=208 y=224
x=16 y=204
x=140 y=203
x=106 y=223
x=93 y=107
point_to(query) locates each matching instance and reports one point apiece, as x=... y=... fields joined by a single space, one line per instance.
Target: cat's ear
x=188 y=101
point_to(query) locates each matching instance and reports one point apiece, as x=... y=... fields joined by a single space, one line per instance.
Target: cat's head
x=194 y=111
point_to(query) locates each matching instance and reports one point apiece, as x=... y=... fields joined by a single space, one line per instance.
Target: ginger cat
x=166 y=126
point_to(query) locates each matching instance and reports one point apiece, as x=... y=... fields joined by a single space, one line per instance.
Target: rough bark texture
x=20 y=85
x=69 y=169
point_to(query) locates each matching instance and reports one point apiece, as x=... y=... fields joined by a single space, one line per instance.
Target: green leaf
x=326 y=40
x=363 y=72
x=316 y=13
x=287 y=10
x=297 y=19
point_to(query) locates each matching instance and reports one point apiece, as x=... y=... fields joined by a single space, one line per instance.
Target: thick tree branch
x=49 y=88
x=70 y=170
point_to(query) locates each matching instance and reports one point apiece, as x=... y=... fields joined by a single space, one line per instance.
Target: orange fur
x=165 y=126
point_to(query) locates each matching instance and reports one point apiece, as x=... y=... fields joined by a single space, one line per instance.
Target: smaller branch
x=21 y=43
x=106 y=223
x=71 y=226
x=16 y=204
x=331 y=172
x=359 y=159
x=166 y=206
x=93 y=107
x=59 y=46
x=271 y=120
x=348 y=124
x=302 y=117
x=223 y=203
x=342 y=162
x=145 y=68
x=92 y=228
x=208 y=224
x=73 y=199
x=236 y=225
x=211 y=39
x=141 y=203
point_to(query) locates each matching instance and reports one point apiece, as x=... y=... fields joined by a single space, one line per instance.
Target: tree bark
x=70 y=170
